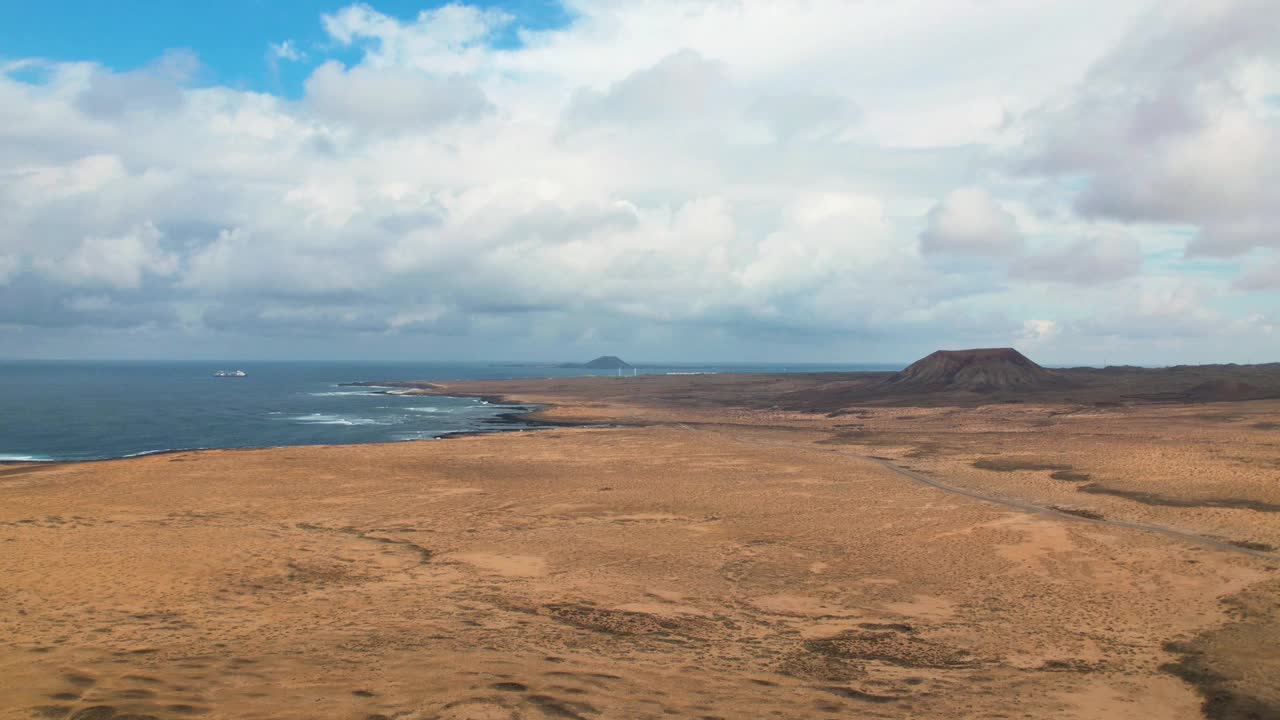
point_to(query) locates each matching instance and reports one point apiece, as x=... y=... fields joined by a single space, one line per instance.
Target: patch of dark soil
x=561 y=708
x=1001 y=464
x=1214 y=417
x=890 y=647
x=824 y=668
x=1221 y=700
x=925 y=450
x=1235 y=667
x=1155 y=397
x=1073 y=665
x=845 y=437
x=510 y=686
x=424 y=555
x=627 y=623
x=1078 y=511
x=893 y=627
x=1224 y=389
x=1265 y=462
x=1147 y=498
x=96 y=712
x=79 y=680
x=1070 y=475
x=853 y=694
x=1265 y=426
x=1251 y=545
x=856 y=412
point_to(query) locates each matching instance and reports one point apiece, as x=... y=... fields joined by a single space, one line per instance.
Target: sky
x=1090 y=181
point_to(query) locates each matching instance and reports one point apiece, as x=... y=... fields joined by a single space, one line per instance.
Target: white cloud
x=392 y=98
x=448 y=39
x=666 y=171
x=286 y=50
x=1091 y=260
x=1175 y=125
x=157 y=87
x=1264 y=276
x=9 y=266
x=1037 y=332
x=968 y=221
x=805 y=116
x=682 y=88
x=118 y=262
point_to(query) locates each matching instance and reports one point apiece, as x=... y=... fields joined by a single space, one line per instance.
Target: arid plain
x=704 y=551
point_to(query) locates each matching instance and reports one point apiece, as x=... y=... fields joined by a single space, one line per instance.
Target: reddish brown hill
x=985 y=370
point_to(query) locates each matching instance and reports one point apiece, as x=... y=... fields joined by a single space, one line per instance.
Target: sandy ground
x=713 y=562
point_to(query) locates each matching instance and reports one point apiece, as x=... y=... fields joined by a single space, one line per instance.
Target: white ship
x=230 y=373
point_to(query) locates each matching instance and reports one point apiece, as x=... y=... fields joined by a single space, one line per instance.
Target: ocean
x=73 y=410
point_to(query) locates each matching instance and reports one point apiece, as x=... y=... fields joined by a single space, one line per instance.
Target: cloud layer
x=707 y=180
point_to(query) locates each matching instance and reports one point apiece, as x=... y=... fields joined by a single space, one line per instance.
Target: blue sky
x=230 y=37
x=680 y=179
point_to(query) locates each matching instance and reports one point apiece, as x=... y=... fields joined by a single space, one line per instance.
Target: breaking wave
x=324 y=419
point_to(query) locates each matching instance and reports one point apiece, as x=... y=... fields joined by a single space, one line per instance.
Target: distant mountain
x=984 y=370
x=604 y=362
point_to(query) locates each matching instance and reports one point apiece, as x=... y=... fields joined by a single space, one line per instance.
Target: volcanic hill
x=985 y=370
x=607 y=362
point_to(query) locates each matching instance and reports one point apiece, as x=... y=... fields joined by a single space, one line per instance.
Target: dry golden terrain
x=709 y=556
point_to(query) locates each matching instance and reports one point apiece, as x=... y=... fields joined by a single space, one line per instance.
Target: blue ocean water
x=94 y=410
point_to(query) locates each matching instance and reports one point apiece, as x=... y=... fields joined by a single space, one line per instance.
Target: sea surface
x=56 y=410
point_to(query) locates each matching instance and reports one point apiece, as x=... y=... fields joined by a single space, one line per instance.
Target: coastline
x=523 y=414
x=739 y=556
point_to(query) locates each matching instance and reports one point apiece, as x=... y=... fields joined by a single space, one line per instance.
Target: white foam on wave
x=429 y=409
x=428 y=434
x=144 y=453
x=323 y=419
x=4 y=457
x=341 y=393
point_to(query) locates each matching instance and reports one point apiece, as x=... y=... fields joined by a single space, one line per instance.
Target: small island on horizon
x=604 y=362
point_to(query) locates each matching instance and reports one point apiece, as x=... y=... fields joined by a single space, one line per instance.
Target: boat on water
x=230 y=373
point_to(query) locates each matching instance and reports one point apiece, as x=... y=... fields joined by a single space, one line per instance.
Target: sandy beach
x=698 y=556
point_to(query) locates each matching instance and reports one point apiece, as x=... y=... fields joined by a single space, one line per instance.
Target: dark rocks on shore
x=406 y=384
